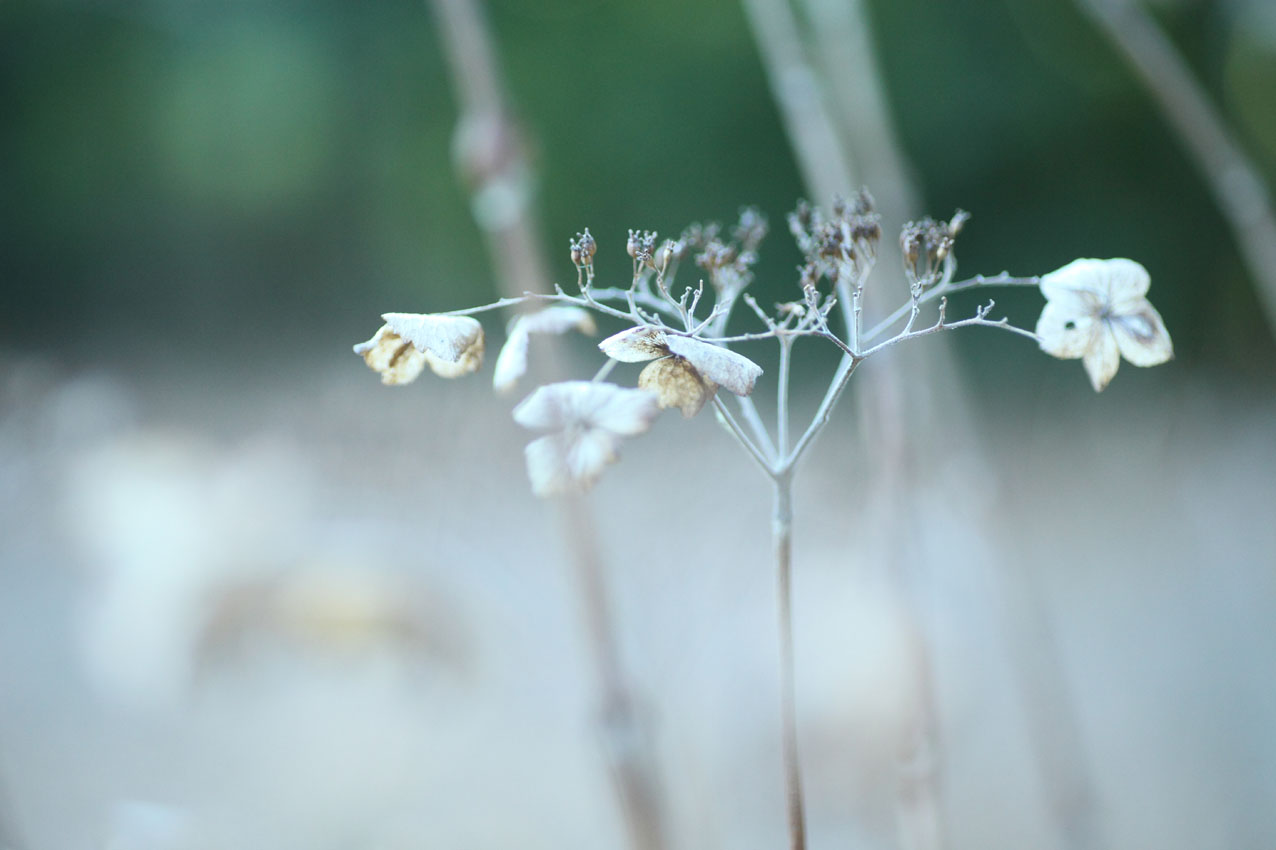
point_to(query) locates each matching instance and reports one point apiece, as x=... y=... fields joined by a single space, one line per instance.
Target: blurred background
x=251 y=598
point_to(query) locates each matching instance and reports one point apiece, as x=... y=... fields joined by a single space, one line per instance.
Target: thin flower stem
x=782 y=543
x=733 y=428
x=753 y=419
x=782 y=395
x=605 y=369
x=1002 y=279
x=845 y=368
x=944 y=325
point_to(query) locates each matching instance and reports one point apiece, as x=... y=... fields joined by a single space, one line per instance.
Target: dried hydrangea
x=1097 y=310
x=408 y=342
x=588 y=420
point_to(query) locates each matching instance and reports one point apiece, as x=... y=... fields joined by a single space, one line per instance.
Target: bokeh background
x=250 y=598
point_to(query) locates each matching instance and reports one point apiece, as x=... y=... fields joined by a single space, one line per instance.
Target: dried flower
x=676 y=383
x=401 y=348
x=583 y=249
x=1097 y=310
x=588 y=420
x=511 y=363
x=716 y=364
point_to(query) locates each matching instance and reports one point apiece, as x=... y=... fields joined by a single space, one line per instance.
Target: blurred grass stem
x=491 y=153
x=1237 y=184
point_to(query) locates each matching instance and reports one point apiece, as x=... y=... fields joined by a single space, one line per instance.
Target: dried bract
x=511 y=363
x=588 y=420
x=1097 y=310
x=450 y=345
x=716 y=364
x=676 y=383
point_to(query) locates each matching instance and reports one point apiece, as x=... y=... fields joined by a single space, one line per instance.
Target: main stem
x=782 y=543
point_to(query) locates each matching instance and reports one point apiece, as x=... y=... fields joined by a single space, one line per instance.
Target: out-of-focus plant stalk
x=491 y=153
x=1237 y=184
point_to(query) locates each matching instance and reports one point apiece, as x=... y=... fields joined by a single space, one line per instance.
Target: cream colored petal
x=1076 y=276
x=1112 y=281
x=1064 y=330
x=588 y=405
x=1142 y=337
x=635 y=345
x=557 y=320
x=446 y=337
x=722 y=366
x=1127 y=283
x=1102 y=358
x=676 y=383
x=471 y=359
x=392 y=357
x=568 y=462
x=511 y=363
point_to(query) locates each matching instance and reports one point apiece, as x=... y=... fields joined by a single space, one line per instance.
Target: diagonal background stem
x=491 y=154
x=1237 y=185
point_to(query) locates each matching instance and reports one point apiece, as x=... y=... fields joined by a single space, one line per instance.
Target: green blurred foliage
x=200 y=172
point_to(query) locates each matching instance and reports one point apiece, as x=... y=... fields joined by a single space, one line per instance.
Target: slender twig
x=1237 y=184
x=733 y=426
x=492 y=155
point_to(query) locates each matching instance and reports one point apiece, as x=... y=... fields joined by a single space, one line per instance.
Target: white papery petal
x=722 y=366
x=511 y=363
x=588 y=404
x=1102 y=357
x=1064 y=332
x=1112 y=280
x=1128 y=283
x=446 y=337
x=635 y=345
x=565 y=462
x=392 y=357
x=622 y=411
x=557 y=320
x=1142 y=337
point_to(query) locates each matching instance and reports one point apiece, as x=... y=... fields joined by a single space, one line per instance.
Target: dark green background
x=210 y=178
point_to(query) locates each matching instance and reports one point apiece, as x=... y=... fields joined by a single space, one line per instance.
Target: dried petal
x=1102 y=358
x=588 y=418
x=722 y=366
x=449 y=338
x=635 y=345
x=1096 y=310
x=676 y=383
x=392 y=357
x=590 y=404
x=1142 y=337
x=511 y=363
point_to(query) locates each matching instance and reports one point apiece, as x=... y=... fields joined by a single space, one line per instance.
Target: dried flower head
x=715 y=364
x=408 y=342
x=588 y=420
x=677 y=383
x=511 y=363
x=927 y=246
x=583 y=249
x=842 y=247
x=1097 y=310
